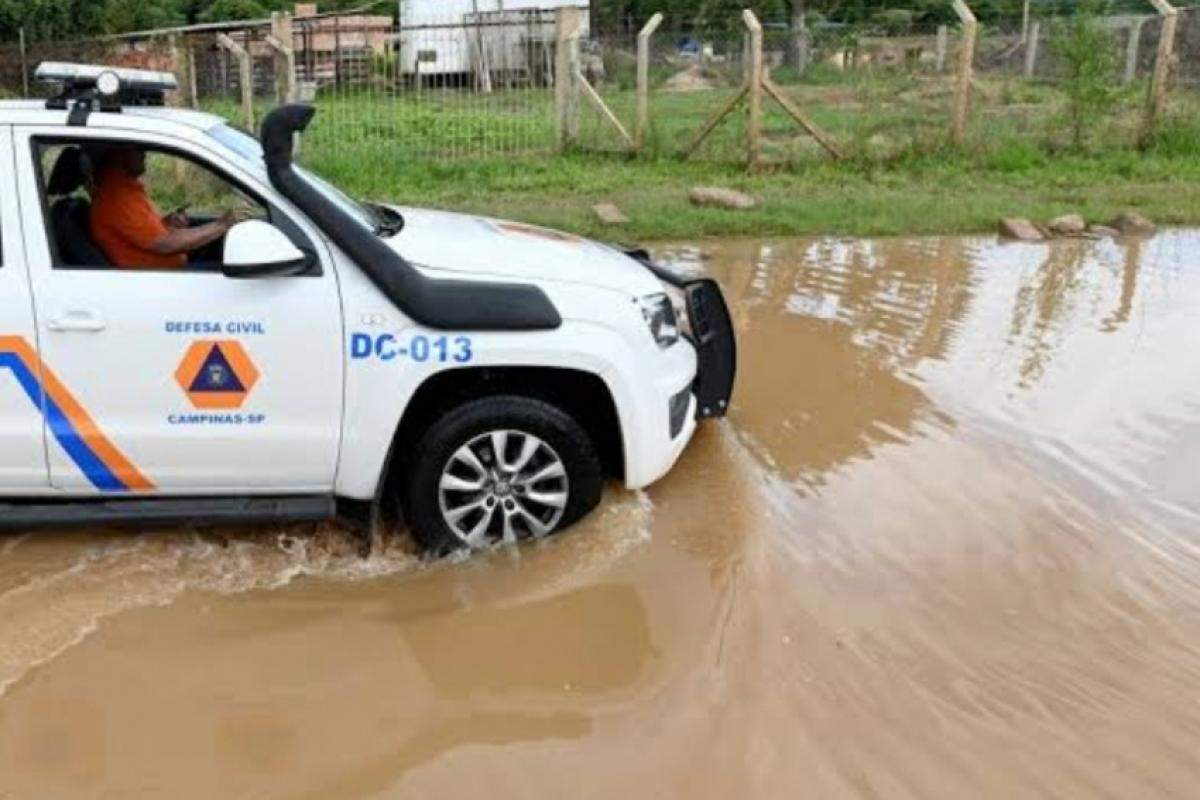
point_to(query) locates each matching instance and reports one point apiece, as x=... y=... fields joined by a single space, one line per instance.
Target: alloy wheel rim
x=503 y=485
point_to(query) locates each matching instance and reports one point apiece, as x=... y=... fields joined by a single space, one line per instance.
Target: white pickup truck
x=325 y=356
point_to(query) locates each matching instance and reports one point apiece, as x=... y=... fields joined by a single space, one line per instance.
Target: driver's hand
x=177 y=220
x=231 y=218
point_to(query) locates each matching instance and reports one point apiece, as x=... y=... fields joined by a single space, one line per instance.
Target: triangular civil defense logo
x=216 y=375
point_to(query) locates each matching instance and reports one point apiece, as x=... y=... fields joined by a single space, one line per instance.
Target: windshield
x=251 y=151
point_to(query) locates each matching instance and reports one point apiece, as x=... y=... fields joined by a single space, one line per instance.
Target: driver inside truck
x=131 y=230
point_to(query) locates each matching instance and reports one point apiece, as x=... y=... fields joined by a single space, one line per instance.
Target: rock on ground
x=717 y=196
x=1132 y=223
x=609 y=214
x=1068 y=225
x=1020 y=229
x=691 y=79
x=1103 y=231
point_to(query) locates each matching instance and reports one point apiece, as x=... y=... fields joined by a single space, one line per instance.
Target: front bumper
x=716 y=347
x=711 y=334
x=693 y=382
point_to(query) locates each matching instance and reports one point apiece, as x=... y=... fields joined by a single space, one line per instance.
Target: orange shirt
x=124 y=223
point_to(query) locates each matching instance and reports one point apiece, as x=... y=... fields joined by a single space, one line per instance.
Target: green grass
x=900 y=175
x=923 y=197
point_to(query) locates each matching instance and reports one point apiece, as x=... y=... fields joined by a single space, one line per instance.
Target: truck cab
x=481 y=376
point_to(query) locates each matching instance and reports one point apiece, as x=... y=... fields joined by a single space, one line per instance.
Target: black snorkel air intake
x=434 y=303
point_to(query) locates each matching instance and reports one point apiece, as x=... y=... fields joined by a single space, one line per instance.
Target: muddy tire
x=499 y=468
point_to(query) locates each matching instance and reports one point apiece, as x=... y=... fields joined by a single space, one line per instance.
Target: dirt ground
x=946 y=545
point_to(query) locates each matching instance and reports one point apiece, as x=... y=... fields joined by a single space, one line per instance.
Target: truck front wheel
x=500 y=468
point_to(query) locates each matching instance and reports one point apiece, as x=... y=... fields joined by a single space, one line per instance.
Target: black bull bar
x=712 y=336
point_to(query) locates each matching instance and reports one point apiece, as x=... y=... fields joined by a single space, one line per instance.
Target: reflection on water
x=830 y=333
x=519 y=656
x=1076 y=278
x=843 y=342
x=944 y=546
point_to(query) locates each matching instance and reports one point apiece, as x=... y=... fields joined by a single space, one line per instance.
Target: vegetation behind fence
x=504 y=84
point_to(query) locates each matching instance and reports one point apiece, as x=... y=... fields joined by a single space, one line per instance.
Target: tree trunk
x=701 y=15
x=800 y=47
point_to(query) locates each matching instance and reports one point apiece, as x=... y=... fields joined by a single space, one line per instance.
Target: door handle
x=81 y=320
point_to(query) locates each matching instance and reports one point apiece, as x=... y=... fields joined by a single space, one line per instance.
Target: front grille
x=716 y=348
x=699 y=318
x=677 y=410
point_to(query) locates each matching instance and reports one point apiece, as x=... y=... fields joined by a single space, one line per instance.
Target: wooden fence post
x=24 y=65
x=592 y=96
x=562 y=74
x=281 y=42
x=175 y=57
x=1157 y=99
x=754 y=80
x=1132 y=47
x=1031 y=48
x=337 y=54
x=567 y=24
x=193 y=92
x=711 y=123
x=966 y=67
x=940 y=51
x=245 y=76
x=183 y=65
x=802 y=39
x=573 y=84
x=757 y=81
x=643 y=81
x=483 y=69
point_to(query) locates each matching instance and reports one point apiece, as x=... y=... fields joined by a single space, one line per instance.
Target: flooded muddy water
x=947 y=544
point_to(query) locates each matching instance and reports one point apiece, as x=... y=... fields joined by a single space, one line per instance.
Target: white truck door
x=22 y=444
x=183 y=381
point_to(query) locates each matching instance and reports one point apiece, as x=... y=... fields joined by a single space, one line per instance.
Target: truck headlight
x=660 y=315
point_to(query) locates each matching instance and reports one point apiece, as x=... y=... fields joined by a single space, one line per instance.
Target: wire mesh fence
x=887 y=91
x=487 y=85
x=434 y=87
x=438 y=87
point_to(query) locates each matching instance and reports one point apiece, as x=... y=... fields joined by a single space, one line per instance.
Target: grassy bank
x=916 y=192
x=491 y=154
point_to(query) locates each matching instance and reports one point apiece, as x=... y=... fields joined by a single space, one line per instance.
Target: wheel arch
x=582 y=394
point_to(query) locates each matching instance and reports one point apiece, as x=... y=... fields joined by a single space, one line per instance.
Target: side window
x=125 y=206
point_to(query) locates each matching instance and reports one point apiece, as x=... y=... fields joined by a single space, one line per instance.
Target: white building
x=489 y=39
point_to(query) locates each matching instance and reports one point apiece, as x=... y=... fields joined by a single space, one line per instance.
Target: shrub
x=1015 y=156
x=1088 y=55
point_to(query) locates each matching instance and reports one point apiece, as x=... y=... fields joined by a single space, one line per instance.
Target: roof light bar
x=81 y=77
x=86 y=87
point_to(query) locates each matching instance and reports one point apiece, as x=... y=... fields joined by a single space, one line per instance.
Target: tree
x=223 y=10
x=1088 y=54
x=705 y=16
x=800 y=49
x=50 y=19
x=120 y=16
x=73 y=19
